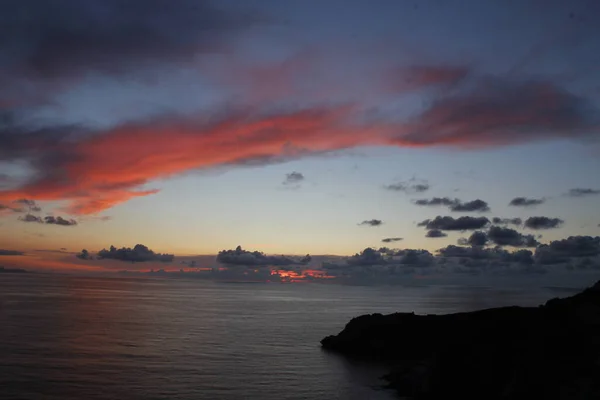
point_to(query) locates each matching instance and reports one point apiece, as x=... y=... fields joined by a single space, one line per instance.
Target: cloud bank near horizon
x=499 y=252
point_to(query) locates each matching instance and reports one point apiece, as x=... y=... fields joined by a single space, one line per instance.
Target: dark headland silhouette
x=547 y=352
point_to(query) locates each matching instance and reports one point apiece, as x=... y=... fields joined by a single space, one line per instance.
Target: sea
x=85 y=338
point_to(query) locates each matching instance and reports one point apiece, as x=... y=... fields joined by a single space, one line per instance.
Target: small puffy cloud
x=4 y=252
x=477 y=238
x=581 y=192
x=243 y=257
x=543 y=223
x=455 y=224
x=420 y=187
x=84 y=255
x=471 y=206
x=437 y=201
x=372 y=222
x=59 y=221
x=507 y=221
x=510 y=237
x=139 y=253
x=455 y=204
x=31 y=218
x=525 y=202
x=435 y=233
x=391 y=240
x=293 y=178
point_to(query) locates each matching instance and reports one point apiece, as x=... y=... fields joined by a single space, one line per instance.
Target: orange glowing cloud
x=106 y=169
x=96 y=172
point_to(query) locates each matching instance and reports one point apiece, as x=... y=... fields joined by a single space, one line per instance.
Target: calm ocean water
x=113 y=338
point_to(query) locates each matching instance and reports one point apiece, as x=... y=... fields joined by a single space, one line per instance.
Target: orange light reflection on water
x=302 y=276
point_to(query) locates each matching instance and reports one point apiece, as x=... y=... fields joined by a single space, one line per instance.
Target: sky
x=300 y=127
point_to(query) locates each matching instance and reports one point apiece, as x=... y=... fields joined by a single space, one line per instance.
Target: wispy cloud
x=372 y=222
x=411 y=186
x=526 y=202
x=4 y=252
x=581 y=192
x=391 y=240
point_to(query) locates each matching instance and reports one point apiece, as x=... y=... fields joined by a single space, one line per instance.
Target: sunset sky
x=294 y=127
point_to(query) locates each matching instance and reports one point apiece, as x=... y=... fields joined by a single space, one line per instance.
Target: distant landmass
x=546 y=352
x=13 y=270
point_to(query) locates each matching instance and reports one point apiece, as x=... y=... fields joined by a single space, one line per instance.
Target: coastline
x=551 y=351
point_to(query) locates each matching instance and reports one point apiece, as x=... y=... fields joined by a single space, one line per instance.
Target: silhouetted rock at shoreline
x=546 y=352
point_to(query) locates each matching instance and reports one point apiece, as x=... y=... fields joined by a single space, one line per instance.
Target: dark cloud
x=31 y=218
x=59 y=221
x=437 y=201
x=435 y=233
x=293 y=178
x=455 y=224
x=85 y=255
x=20 y=138
x=560 y=251
x=4 y=252
x=372 y=222
x=581 y=192
x=243 y=257
x=543 y=223
x=471 y=206
x=482 y=253
x=368 y=256
x=67 y=38
x=455 y=204
x=500 y=111
x=393 y=239
x=525 y=202
x=416 y=257
x=510 y=237
x=468 y=252
x=477 y=238
x=382 y=262
x=51 y=220
x=139 y=253
x=507 y=221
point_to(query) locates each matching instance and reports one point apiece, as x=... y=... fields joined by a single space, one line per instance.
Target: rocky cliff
x=547 y=352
